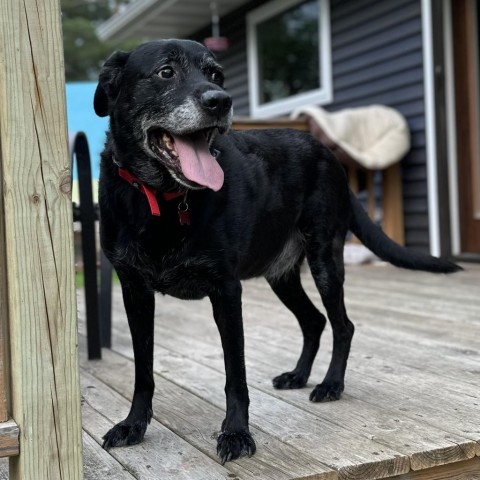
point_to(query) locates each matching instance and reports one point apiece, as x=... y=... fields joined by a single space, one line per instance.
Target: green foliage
x=80 y=278
x=94 y=11
x=84 y=51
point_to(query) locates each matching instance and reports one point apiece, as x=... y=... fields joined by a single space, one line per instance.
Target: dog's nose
x=216 y=101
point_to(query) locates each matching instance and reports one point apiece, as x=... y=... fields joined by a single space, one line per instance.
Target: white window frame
x=319 y=96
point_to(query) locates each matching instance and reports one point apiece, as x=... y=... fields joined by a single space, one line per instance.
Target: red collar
x=151 y=193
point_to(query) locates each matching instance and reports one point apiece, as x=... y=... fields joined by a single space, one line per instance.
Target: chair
x=367 y=140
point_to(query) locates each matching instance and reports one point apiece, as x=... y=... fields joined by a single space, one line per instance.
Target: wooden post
x=392 y=203
x=45 y=396
x=4 y=369
x=8 y=428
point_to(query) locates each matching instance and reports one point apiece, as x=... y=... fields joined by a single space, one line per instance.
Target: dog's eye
x=166 y=73
x=217 y=77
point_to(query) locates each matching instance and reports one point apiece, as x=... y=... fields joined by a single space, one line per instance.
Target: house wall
x=377 y=58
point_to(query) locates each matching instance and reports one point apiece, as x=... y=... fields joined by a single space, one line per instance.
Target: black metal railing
x=98 y=320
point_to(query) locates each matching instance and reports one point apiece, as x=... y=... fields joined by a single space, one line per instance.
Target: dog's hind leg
x=326 y=265
x=139 y=304
x=235 y=437
x=289 y=290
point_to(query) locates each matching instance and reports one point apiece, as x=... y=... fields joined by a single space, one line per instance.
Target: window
x=289 y=58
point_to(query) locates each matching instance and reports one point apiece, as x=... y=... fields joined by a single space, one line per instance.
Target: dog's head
x=166 y=103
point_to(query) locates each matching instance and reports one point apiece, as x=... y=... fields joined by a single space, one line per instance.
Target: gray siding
x=234 y=61
x=377 y=58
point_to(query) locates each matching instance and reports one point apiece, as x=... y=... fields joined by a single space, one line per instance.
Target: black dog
x=258 y=203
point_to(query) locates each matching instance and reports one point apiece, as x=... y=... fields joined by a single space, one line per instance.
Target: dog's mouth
x=188 y=157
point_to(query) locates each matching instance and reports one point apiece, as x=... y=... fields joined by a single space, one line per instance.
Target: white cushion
x=376 y=136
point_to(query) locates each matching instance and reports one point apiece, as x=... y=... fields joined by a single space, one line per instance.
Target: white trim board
x=430 y=131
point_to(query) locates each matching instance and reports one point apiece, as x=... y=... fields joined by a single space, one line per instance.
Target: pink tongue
x=197 y=162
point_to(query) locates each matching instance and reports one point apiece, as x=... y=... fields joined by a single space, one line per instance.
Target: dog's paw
x=289 y=380
x=124 y=433
x=232 y=445
x=327 y=392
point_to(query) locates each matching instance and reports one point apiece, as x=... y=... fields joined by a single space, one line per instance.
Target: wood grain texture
x=98 y=464
x=392 y=203
x=425 y=445
x=392 y=395
x=4 y=469
x=4 y=370
x=467 y=121
x=39 y=242
x=197 y=421
x=354 y=455
x=4 y=363
x=161 y=455
x=468 y=470
x=8 y=439
x=411 y=387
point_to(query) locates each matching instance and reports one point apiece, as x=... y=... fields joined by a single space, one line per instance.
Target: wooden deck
x=411 y=407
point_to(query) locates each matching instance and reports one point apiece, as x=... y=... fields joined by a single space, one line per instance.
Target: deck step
x=9 y=433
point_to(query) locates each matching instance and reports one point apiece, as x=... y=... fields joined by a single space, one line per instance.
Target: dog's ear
x=108 y=86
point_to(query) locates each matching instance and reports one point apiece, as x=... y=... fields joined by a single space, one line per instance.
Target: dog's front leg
x=235 y=437
x=139 y=304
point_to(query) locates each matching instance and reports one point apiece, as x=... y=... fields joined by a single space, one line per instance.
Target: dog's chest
x=179 y=272
x=188 y=278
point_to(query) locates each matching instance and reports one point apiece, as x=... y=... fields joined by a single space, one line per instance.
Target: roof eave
x=117 y=27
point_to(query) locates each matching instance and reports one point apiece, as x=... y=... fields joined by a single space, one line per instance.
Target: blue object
x=82 y=118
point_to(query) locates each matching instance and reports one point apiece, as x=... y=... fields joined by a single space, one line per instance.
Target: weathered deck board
x=468 y=470
x=185 y=328
x=282 y=421
x=162 y=454
x=9 y=434
x=411 y=405
x=197 y=421
x=382 y=386
x=99 y=464
x=418 y=440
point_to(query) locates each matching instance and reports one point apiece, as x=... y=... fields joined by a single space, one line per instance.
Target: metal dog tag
x=183 y=213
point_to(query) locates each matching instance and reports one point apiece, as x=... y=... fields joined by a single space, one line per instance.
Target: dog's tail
x=385 y=248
